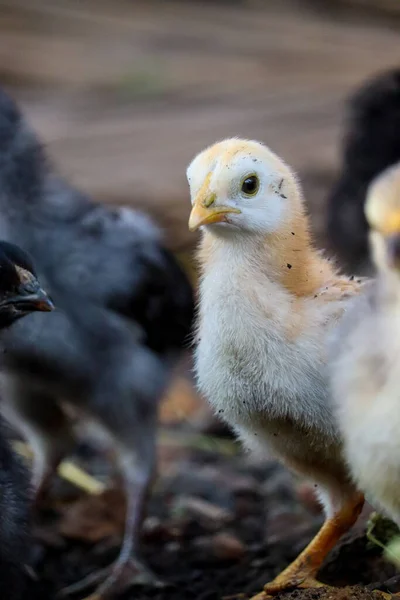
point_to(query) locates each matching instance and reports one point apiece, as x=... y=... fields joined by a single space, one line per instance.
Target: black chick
x=124 y=314
x=20 y=294
x=371 y=144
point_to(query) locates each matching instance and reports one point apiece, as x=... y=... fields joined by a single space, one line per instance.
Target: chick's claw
x=312 y=583
x=85 y=584
x=113 y=581
x=378 y=594
x=275 y=587
x=278 y=585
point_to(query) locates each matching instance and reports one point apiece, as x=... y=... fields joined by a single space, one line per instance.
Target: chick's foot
x=378 y=594
x=306 y=583
x=113 y=580
x=302 y=571
x=261 y=596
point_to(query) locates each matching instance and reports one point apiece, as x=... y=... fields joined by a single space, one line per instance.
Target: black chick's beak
x=393 y=250
x=30 y=298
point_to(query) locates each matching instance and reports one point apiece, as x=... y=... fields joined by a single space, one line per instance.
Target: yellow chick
x=268 y=302
x=365 y=365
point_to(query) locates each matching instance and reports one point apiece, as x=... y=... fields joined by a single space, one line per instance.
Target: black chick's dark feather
x=15 y=537
x=123 y=319
x=16 y=256
x=9 y=277
x=154 y=302
x=371 y=143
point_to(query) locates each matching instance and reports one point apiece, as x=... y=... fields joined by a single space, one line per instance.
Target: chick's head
x=20 y=291
x=382 y=210
x=240 y=186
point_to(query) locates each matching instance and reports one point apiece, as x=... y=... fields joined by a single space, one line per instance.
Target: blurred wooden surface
x=126 y=92
x=390 y=7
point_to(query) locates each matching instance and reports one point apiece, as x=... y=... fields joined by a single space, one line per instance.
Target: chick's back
x=112 y=257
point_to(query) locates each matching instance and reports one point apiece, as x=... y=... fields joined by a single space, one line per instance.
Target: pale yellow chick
x=366 y=359
x=268 y=302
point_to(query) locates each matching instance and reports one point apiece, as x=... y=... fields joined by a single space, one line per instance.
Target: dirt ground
x=219 y=526
x=124 y=93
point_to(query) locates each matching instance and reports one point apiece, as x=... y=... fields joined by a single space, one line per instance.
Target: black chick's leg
x=128 y=570
x=138 y=474
x=47 y=429
x=132 y=424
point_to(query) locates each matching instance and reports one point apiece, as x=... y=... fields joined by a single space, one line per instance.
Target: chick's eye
x=250 y=185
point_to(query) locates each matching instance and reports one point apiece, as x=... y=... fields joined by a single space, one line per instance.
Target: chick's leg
x=302 y=571
x=128 y=570
x=134 y=436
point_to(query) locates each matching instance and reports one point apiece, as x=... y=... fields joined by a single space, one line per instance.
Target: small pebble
x=208 y=514
x=227 y=546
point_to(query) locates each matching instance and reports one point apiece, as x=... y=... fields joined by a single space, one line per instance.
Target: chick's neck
x=296 y=264
x=287 y=258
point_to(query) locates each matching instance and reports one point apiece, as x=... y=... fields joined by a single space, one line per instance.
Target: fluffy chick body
x=260 y=359
x=268 y=303
x=365 y=361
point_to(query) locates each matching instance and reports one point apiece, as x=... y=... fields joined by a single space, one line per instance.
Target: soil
x=219 y=526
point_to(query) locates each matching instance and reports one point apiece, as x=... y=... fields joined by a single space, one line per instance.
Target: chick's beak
x=205 y=211
x=30 y=298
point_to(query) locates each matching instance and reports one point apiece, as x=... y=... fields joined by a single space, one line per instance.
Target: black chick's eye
x=250 y=185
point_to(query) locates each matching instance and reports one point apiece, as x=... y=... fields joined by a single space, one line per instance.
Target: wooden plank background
x=126 y=92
